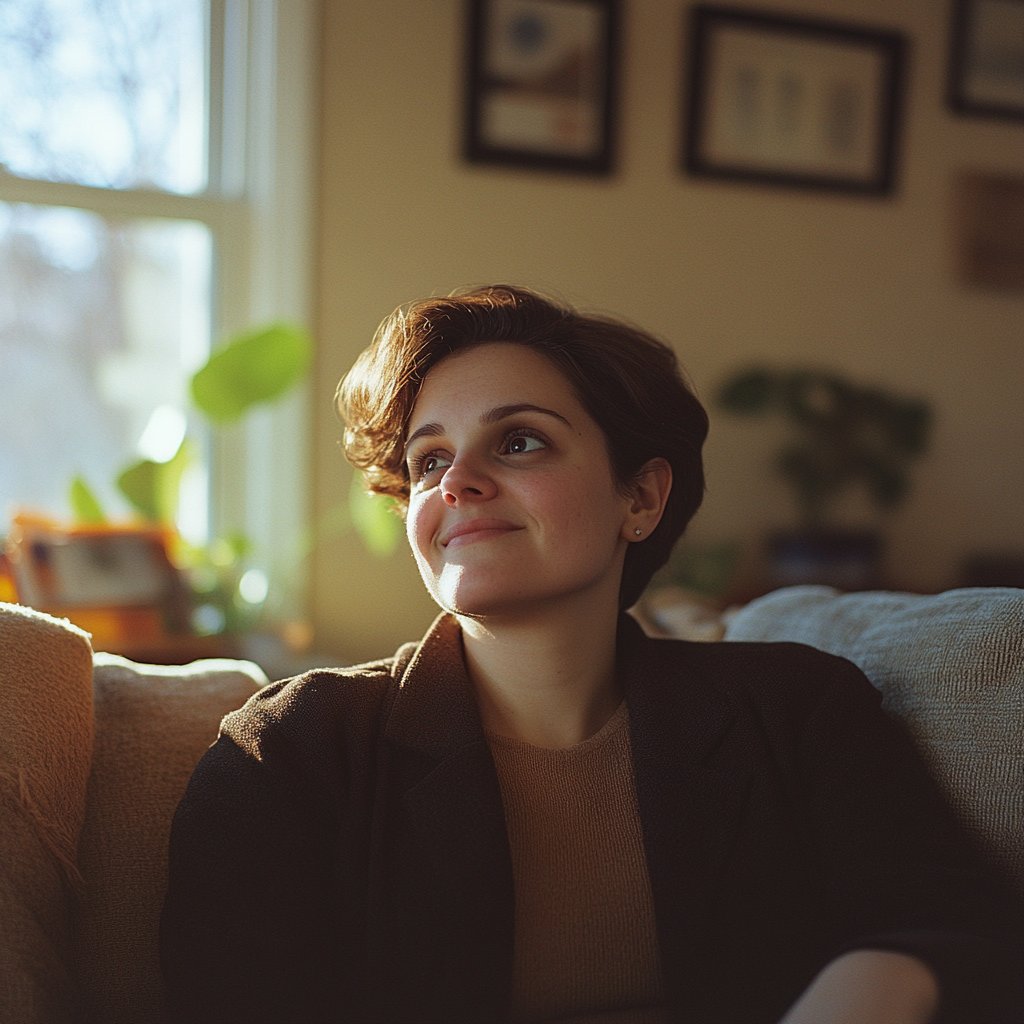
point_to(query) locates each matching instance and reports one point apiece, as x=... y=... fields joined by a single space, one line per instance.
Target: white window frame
x=258 y=207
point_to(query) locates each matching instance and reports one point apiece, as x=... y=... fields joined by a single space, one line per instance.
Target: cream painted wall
x=727 y=273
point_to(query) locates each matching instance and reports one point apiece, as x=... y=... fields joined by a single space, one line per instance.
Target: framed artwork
x=98 y=570
x=541 y=83
x=989 y=230
x=986 y=63
x=788 y=101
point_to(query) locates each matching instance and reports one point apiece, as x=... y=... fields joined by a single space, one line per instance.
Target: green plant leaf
x=816 y=475
x=375 y=519
x=706 y=569
x=152 y=487
x=749 y=392
x=910 y=426
x=138 y=484
x=256 y=367
x=85 y=505
x=887 y=483
x=228 y=550
x=843 y=434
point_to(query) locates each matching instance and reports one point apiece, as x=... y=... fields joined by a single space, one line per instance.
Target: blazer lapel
x=691 y=811
x=458 y=907
x=444 y=786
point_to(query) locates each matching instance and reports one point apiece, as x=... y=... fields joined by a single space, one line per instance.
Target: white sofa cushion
x=153 y=723
x=951 y=666
x=46 y=738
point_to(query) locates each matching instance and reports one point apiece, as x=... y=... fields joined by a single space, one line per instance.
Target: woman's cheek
x=418 y=526
x=412 y=525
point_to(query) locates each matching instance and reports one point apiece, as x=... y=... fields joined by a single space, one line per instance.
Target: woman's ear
x=648 y=492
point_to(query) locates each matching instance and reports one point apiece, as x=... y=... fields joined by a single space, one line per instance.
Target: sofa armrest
x=46 y=738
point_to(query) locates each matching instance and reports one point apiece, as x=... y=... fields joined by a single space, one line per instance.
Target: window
x=153 y=198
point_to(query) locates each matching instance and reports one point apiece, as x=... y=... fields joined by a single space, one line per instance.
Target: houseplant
x=256 y=367
x=843 y=435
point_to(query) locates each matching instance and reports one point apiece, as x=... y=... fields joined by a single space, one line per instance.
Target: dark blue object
x=845 y=560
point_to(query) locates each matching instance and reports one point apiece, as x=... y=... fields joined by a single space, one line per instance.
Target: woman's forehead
x=489 y=375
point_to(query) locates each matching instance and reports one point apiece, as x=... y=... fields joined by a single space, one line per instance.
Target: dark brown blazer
x=341 y=854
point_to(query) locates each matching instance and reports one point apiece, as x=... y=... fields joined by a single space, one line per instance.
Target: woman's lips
x=472 y=530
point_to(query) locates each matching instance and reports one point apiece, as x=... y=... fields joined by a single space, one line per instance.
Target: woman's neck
x=548 y=680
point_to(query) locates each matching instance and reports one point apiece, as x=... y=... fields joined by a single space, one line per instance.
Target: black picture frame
x=541 y=84
x=792 y=102
x=986 y=59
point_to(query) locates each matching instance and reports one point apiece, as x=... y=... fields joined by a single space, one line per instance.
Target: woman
x=537 y=813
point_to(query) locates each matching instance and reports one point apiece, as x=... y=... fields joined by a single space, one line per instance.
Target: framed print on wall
x=540 y=83
x=788 y=101
x=986 y=62
x=989 y=230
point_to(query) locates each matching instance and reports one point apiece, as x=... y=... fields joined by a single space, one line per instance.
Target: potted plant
x=843 y=435
x=254 y=368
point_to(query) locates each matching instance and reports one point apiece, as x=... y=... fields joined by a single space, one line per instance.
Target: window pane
x=104 y=92
x=101 y=326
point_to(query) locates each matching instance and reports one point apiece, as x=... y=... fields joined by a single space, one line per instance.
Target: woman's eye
x=427 y=464
x=518 y=443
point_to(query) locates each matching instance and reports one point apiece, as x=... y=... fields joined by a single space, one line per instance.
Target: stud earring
x=639 y=532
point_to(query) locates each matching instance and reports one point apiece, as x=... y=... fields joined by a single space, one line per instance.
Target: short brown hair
x=629 y=382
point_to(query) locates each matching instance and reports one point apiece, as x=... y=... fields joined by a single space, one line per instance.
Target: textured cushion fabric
x=153 y=723
x=951 y=666
x=46 y=735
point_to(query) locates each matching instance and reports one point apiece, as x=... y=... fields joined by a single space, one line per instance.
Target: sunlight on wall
x=728 y=273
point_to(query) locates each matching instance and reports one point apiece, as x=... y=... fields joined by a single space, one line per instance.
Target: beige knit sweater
x=586 y=948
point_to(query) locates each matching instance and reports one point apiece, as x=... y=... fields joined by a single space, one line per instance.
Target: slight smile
x=472 y=530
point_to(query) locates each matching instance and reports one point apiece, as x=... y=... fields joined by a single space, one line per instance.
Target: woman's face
x=512 y=502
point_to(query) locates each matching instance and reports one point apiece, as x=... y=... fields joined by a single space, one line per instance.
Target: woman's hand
x=869 y=986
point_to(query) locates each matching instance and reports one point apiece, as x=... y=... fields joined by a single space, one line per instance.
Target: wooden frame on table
x=986 y=60
x=540 y=85
x=786 y=101
x=115 y=582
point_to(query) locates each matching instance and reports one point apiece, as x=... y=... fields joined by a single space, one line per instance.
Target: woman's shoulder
x=317 y=709
x=783 y=675
x=778 y=700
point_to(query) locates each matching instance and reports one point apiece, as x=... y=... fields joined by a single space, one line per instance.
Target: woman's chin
x=473 y=593
x=493 y=595
x=481 y=602
x=482 y=606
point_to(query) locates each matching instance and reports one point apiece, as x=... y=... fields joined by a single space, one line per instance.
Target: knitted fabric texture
x=586 y=948
x=153 y=723
x=46 y=736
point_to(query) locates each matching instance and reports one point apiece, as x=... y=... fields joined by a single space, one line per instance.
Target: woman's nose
x=465 y=480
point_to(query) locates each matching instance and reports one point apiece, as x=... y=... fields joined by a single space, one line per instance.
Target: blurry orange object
x=8 y=586
x=115 y=582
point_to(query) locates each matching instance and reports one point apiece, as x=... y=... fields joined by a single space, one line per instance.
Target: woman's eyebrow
x=501 y=412
x=427 y=430
x=504 y=411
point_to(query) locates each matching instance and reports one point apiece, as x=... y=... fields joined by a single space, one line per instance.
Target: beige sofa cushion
x=153 y=723
x=46 y=733
x=951 y=666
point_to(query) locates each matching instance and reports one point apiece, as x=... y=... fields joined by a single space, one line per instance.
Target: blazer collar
x=454 y=843
x=434 y=710
x=690 y=808
x=676 y=707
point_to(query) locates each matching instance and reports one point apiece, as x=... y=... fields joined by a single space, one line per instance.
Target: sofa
x=95 y=753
